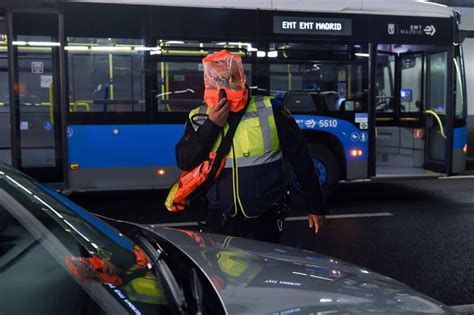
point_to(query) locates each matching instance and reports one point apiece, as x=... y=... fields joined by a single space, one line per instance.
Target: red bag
x=91 y=269
x=188 y=182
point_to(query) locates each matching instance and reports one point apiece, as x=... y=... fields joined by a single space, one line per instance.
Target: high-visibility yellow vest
x=237 y=270
x=145 y=289
x=256 y=139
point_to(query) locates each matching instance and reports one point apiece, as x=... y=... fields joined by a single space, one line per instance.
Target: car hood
x=253 y=277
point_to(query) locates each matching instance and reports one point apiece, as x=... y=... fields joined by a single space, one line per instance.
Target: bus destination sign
x=311 y=26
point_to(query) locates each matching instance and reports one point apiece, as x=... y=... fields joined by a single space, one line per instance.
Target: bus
x=94 y=94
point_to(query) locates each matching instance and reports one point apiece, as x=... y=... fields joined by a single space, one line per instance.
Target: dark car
x=57 y=258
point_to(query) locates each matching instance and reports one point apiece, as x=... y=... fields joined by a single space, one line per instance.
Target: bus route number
x=327 y=123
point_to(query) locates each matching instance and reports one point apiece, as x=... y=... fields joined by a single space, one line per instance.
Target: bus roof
x=420 y=8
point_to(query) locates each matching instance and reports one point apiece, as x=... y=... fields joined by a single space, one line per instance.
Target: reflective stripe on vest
x=258 y=160
x=203 y=109
x=256 y=139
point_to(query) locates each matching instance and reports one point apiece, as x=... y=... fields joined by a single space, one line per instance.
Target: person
x=128 y=271
x=244 y=198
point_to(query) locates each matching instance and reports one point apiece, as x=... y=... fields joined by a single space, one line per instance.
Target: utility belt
x=281 y=211
x=277 y=213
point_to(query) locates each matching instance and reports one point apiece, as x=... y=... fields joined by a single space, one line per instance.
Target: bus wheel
x=326 y=165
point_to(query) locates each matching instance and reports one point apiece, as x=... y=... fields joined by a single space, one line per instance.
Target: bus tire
x=327 y=167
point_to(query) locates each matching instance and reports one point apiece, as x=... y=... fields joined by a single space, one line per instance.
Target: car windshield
x=62 y=259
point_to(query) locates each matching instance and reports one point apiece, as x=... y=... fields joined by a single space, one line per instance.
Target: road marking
x=346 y=216
x=458 y=177
x=331 y=216
x=177 y=224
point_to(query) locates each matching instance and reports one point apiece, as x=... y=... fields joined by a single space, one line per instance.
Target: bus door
x=438 y=111
x=399 y=109
x=35 y=94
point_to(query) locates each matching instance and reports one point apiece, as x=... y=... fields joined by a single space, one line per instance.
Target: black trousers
x=264 y=228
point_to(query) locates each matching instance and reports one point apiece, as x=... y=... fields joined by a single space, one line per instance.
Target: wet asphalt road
x=428 y=242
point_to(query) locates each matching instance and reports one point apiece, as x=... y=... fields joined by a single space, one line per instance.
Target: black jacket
x=194 y=148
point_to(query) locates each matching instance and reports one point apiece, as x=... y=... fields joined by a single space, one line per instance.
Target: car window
x=63 y=264
x=29 y=272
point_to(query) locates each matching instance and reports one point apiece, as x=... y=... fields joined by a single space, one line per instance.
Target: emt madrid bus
x=94 y=94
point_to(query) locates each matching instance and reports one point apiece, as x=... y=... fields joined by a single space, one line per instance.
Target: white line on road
x=346 y=216
x=458 y=177
x=331 y=216
x=177 y=224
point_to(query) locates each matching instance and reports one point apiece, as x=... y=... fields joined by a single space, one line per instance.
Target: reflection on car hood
x=254 y=277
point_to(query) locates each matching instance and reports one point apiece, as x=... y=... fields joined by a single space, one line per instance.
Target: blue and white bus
x=94 y=94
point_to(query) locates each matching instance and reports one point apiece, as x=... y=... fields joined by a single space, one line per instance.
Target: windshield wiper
x=155 y=252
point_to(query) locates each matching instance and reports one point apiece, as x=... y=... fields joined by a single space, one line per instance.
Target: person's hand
x=315 y=221
x=220 y=112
